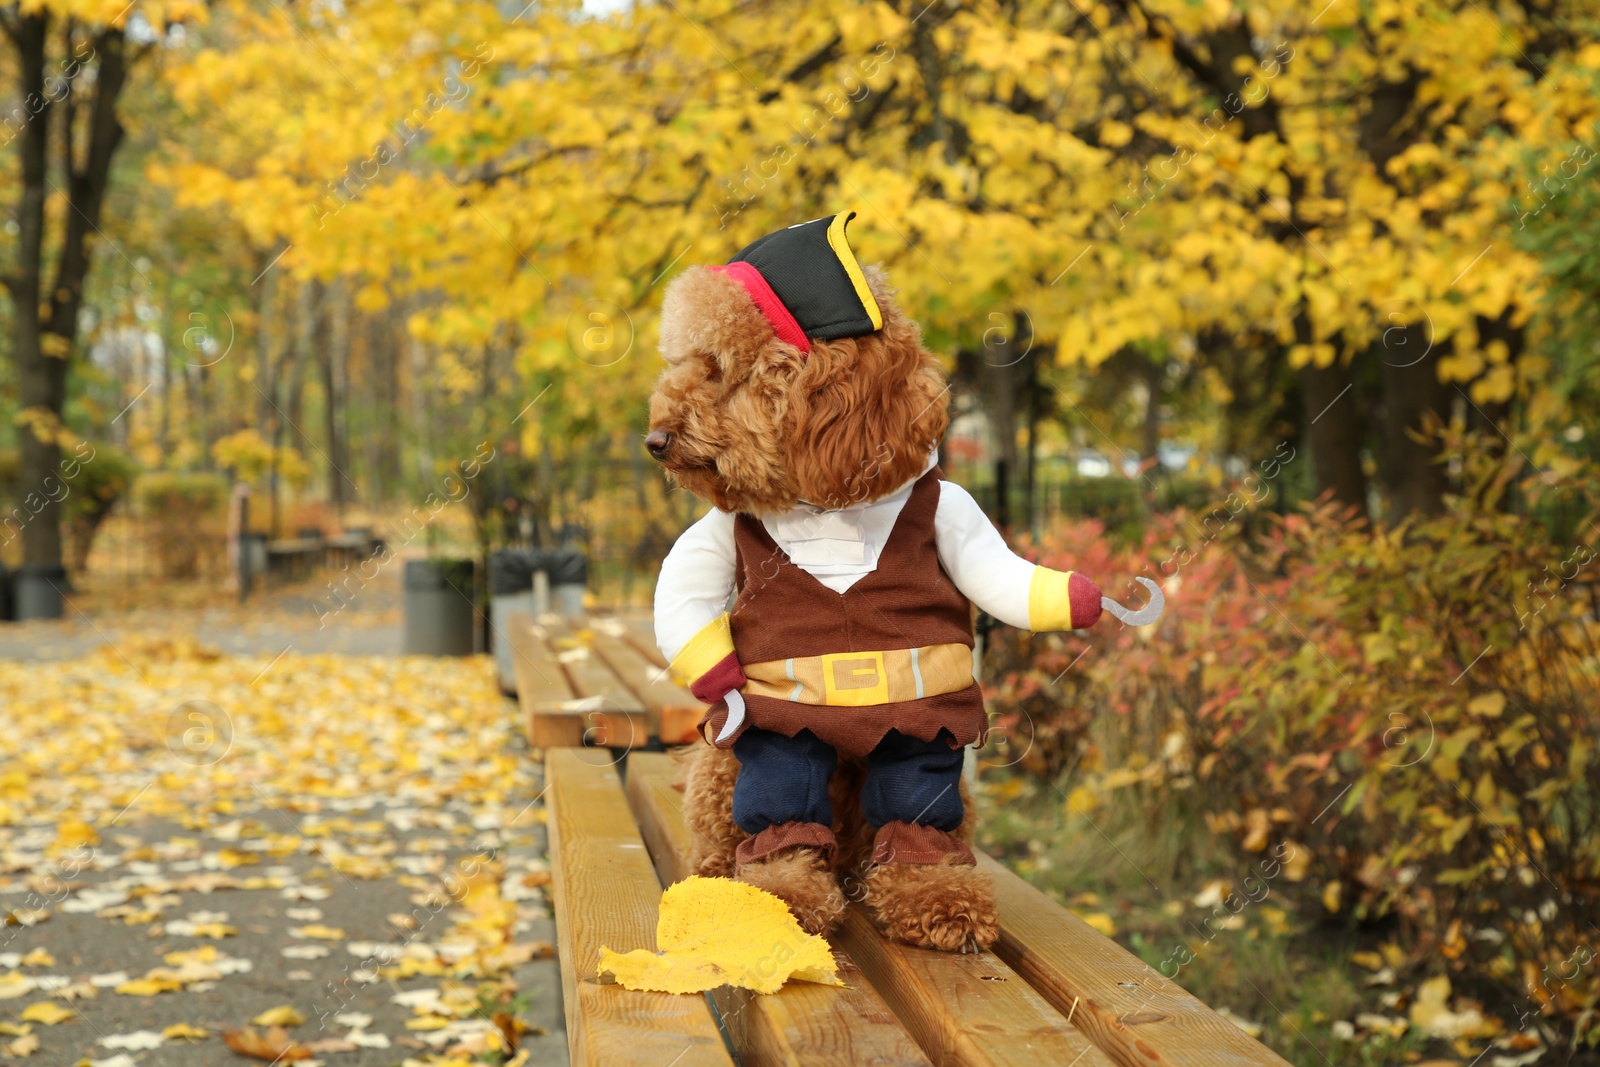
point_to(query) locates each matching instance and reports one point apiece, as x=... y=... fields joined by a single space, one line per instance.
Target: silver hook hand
x=1145 y=615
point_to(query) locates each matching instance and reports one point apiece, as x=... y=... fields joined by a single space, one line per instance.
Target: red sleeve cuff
x=711 y=686
x=1084 y=596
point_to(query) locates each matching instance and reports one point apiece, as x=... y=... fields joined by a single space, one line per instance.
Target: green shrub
x=1404 y=716
x=1117 y=503
x=95 y=486
x=183 y=513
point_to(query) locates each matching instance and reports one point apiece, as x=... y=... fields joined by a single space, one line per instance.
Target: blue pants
x=785 y=779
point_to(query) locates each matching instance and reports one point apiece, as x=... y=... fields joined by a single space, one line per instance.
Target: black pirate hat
x=807 y=282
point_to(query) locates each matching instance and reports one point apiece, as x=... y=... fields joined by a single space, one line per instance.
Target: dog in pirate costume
x=823 y=606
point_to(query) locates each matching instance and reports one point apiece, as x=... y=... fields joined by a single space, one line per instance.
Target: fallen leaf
x=715 y=931
x=26 y=1045
x=138 y=1041
x=305 y=952
x=1430 y=1012
x=1101 y=922
x=317 y=932
x=274 y=1046
x=184 y=1032
x=149 y=987
x=283 y=1015
x=46 y=1011
x=332 y=1044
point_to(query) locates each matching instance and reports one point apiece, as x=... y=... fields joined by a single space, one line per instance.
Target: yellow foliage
x=713 y=932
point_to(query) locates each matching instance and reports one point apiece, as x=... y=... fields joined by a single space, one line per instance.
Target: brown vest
x=907 y=602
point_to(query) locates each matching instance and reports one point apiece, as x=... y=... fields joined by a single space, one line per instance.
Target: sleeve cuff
x=1062 y=600
x=715 y=684
x=708 y=660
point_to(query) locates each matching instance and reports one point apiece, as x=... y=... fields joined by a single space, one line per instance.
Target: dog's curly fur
x=756 y=428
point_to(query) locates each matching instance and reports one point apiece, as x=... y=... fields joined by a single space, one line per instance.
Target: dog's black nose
x=656 y=443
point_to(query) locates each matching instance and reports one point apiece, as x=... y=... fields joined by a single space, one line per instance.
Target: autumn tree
x=70 y=64
x=1322 y=196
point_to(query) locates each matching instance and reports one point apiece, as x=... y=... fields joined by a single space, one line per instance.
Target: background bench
x=597 y=681
x=1054 y=991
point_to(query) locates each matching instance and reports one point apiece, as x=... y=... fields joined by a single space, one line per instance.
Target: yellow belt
x=861 y=679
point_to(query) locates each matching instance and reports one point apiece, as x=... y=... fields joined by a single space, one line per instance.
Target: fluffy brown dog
x=799 y=401
x=753 y=429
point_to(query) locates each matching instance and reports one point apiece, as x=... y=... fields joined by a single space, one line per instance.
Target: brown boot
x=925 y=889
x=794 y=862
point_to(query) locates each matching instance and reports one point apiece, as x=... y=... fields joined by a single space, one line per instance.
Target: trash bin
x=439 y=611
x=252 y=562
x=511 y=573
x=38 y=591
x=568 y=569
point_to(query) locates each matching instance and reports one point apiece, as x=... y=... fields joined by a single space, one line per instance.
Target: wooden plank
x=607 y=893
x=641 y=634
x=675 y=712
x=801 y=1024
x=614 y=713
x=966 y=1009
x=1137 y=1015
x=548 y=703
x=558 y=714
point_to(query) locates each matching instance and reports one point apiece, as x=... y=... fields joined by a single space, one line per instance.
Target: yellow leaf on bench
x=714 y=932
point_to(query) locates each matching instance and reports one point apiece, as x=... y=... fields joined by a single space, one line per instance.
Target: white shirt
x=839 y=548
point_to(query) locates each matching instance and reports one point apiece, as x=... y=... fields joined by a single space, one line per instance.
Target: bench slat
x=557 y=714
x=971 y=1010
x=641 y=634
x=674 y=711
x=542 y=686
x=961 y=1009
x=803 y=1023
x=617 y=714
x=607 y=893
x=1136 y=1014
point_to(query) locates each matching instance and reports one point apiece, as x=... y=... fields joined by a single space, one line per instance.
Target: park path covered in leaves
x=302 y=857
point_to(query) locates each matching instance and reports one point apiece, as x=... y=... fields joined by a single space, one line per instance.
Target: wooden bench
x=597 y=681
x=1054 y=991
x=295 y=557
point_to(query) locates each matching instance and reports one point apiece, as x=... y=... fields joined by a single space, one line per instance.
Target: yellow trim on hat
x=847 y=259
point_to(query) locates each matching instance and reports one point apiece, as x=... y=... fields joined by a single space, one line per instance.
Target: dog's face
x=743 y=420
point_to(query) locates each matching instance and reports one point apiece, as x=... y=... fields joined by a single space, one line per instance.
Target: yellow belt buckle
x=854 y=679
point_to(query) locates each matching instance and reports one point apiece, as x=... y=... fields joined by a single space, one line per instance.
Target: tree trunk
x=1414 y=401
x=332 y=335
x=999 y=359
x=45 y=320
x=266 y=385
x=1333 y=432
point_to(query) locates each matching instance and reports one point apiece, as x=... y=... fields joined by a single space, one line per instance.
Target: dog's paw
x=946 y=905
x=803 y=879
